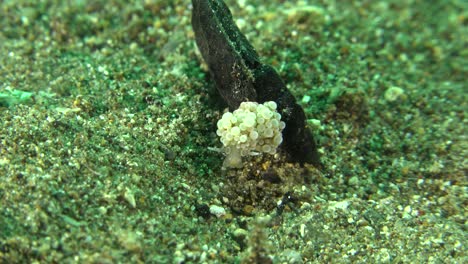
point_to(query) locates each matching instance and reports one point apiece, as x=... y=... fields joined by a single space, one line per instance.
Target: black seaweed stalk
x=240 y=76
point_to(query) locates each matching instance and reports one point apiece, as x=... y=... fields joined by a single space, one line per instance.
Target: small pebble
x=218 y=211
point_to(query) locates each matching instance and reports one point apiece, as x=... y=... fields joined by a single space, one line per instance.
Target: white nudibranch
x=252 y=129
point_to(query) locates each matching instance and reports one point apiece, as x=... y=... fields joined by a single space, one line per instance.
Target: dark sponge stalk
x=240 y=76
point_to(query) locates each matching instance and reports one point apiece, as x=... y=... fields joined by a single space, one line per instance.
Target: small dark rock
x=271 y=176
x=202 y=210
